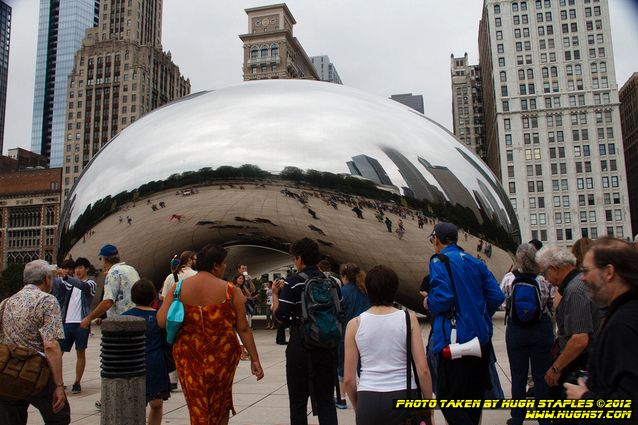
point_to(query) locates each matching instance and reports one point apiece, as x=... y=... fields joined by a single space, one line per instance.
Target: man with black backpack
x=311 y=303
x=462 y=299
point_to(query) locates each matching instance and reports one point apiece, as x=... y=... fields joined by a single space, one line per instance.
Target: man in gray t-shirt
x=577 y=316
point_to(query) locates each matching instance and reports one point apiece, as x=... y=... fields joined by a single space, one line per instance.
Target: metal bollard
x=123 y=371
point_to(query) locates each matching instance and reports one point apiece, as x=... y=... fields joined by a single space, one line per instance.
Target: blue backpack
x=524 y=304
x=321 y=312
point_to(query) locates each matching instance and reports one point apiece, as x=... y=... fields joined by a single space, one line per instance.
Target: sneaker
x=341 y=404
x=76 y=388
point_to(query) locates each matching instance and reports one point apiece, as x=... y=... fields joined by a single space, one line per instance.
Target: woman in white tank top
x=378 y=338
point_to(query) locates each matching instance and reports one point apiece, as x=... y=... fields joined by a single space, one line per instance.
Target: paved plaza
x=264 y=402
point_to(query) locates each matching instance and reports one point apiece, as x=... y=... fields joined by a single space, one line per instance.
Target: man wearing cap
x=462 y=301
x=75 y=295
x=119 y=279
x=31 y=319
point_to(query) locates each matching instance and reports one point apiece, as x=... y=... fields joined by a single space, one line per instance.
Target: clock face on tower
x=265 y=22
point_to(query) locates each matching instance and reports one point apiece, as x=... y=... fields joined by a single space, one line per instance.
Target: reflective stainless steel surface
x=236 y=166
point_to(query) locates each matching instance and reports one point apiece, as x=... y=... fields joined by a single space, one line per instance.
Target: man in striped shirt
x=305 y=367
x=577 y=316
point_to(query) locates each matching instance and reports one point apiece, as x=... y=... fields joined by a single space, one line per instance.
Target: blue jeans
x=524 y=345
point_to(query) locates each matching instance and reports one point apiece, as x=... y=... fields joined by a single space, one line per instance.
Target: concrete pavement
x=257 y=403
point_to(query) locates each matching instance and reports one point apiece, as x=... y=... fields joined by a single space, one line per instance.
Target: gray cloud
x=377 y=46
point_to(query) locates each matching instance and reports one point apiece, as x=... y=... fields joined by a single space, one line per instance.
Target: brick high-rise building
x=467 y=104
x=60 y=32
x=552 y=120
x=270 y=49
x=120 y=74
x=628 y=96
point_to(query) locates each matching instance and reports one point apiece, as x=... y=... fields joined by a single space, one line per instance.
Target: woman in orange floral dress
x=206 y=350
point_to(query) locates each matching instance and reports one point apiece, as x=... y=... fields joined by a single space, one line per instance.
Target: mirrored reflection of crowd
x=570 y=315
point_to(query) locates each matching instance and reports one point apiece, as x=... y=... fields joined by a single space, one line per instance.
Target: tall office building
x=414 y=101
x=467 y=104
x=120 y=74
x=270 y=49
x=552 y=119
x=5 y=36
x=325 y=69
x=628 y=96
x=60 y=32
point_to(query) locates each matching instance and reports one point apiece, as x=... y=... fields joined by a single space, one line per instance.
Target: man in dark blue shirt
x=304 y=367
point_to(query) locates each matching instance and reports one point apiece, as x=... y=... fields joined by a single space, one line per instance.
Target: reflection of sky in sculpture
x=274 y=124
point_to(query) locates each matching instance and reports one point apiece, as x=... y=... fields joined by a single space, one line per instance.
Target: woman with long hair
x=206 y=350
x=239 y=282
x=355 y=302
x=181 y=268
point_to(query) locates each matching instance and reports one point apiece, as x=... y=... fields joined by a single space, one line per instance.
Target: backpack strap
x=446 y=261
x=178 y=290
x=410 y=366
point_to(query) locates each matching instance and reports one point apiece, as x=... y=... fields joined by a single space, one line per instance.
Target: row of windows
x=563 y=184
x=530 y=104
x=263 y=51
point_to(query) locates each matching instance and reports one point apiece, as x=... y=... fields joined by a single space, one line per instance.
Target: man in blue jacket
x=462 y=299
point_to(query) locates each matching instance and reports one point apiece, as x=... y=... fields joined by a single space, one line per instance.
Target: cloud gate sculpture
x=260 y=164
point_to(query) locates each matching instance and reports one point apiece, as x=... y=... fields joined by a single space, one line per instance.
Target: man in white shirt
x=75 y=294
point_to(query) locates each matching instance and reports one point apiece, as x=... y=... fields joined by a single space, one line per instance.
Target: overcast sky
x=377 y=46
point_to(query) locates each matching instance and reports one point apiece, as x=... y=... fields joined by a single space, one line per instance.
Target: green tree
x=11 y=280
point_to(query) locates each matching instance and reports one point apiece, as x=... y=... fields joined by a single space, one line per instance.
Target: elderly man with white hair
x=577 y=316
x=31 y=319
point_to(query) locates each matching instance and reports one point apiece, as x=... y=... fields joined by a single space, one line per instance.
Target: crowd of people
x=571 y=317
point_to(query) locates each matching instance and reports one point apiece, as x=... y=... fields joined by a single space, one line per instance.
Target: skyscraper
x=552 y=120
x=325 y=69
x=5 y=36
x=628 y=96
x=120 y=74
x=60 y=32
x=467 y=104
x=270 y=48
x=414 y=101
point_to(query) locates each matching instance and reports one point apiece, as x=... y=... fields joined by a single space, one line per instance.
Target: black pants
x=281 y=334
x=299 y=378
x=14 y=412
x=463 y=379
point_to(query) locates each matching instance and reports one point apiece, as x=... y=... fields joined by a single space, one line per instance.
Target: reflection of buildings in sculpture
x=30 y=201
x=416 y=181
x=497 y=212
x=119 y=76
x=368 y=167
x=453 y=188
x=509 y=216
x=270 y=49
x=408 y=99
